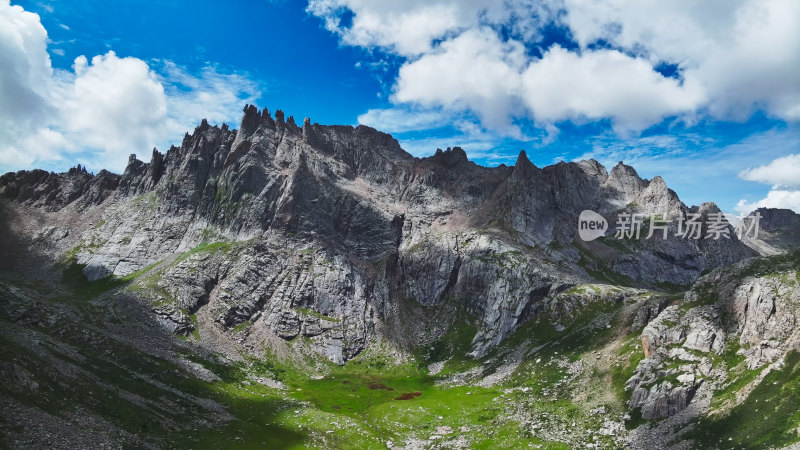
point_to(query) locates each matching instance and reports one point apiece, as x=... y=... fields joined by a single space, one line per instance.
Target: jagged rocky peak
x=156 y=165
x=657 y=198
x=450 y=157
x=706 y=208
x=593 y=168
x=624 y=180
x=523 y=167
x=523 y=161
x=204 y=125
x=309 y=136
x=250 y=119
x=77 y=170
x=622 y=172
x=621 y=169
x=54 y=191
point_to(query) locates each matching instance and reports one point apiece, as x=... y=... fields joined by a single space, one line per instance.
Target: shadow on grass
x=767 y=418
x=79 y=369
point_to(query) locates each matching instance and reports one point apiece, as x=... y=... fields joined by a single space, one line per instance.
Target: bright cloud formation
x=474 y=71
x=784 y=176
x=113 y=103
x=745 y=54
x=400 y=120
x=781 y=172
x=604 y=84
x=409 y=28
x=105 y=108
x=776 y=198
x=732 y=57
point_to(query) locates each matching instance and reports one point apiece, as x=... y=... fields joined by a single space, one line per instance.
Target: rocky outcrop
x=173 y=319
x=648 y=311
x=677 y=346
x=762 y=297
x=666 y=380
x=749 y=306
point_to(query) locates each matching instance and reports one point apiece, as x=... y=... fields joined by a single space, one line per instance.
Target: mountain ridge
x=289 y=254
x=436 y=223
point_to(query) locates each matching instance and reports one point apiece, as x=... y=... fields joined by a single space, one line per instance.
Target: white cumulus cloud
x=111 y=103
x=781 y=172
x=474 y=71
x=603 y=84
x=776 y=198
x=104 y=108
x=400 y=120
x=25 y=87
x=784 y=175
x=732 y=58
x=744 y=53
x=409 y=28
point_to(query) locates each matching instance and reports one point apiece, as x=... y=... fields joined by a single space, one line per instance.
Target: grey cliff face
x=325 y=232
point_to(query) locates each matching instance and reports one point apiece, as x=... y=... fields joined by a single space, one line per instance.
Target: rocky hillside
x=328 y=251
x=727 y=349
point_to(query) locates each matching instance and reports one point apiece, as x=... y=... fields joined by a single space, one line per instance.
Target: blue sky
x=713 y=109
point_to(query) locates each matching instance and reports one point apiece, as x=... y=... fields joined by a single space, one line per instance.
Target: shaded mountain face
x=336 y=234
x=779 y=227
